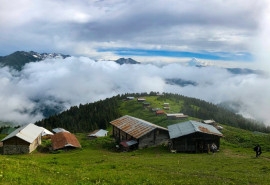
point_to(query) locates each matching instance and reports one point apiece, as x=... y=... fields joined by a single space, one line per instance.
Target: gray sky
x=221 y=32
x=107 y=29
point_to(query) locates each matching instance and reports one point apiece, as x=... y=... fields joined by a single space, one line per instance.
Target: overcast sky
x=223 y=31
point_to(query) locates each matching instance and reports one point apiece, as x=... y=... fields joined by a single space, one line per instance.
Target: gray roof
x=46 y=132
x=189 y=127
x=27 y=133
x=98 y=133
x=57 y=130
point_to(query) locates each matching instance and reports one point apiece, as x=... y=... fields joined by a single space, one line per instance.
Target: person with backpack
x=213 y=148
x=258 y=150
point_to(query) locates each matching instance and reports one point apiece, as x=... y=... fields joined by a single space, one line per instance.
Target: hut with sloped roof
x=141 y=132
x=64 y=140
x=22 y=140
x=98 y=133
x=193 y=136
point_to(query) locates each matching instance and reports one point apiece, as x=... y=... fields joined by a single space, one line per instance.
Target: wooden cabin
x=145 y=134
x=193 y=136
x=176 y=116
x=23 y=140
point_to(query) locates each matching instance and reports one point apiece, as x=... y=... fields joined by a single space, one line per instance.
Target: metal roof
x=160 y=112
x=46 y=132
x=208 y=121
x=135 y=127
x=98 y=133
x=128 y=143
x=175 y=114
x=64 y=139
x=188 y=127
x=27 y=133
x=57 y=130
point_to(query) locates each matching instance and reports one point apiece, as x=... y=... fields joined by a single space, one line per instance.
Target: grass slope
x=98 y=163
x=136 y=109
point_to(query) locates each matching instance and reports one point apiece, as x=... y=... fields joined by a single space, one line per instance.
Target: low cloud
x=79 y=80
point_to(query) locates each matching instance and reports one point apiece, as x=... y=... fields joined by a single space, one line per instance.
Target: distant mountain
x=180 y=82
x=244 y=71
x=18 y=59
x=238 y=71
x=122 y=61
x=197 y=63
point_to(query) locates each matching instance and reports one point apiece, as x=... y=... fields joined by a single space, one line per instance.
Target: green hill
x=98 y=163
x=84 y=118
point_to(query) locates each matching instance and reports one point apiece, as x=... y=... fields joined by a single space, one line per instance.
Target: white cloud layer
x=80 y=80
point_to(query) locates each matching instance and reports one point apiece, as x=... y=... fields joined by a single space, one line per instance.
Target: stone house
x=22 y=140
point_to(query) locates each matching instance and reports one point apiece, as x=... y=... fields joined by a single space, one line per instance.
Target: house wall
x=196 y=142
x=154 y=138
x=16 y=145
x=119 y=135
x=35 y=144
x=147 y=140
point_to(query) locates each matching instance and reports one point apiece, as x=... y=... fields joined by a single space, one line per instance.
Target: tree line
x=84 y=118
x=204 y=110
x=97 y=115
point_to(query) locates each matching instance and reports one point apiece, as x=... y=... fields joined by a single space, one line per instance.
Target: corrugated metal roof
x=128 y=143
x=46 y=132
x=27 y=133
x=188 y=127
x=208 y=121
x=160 y=112
x=98 y=133
x=175 y=114
x=64 y=139
x=57 y=130
x=135 y=127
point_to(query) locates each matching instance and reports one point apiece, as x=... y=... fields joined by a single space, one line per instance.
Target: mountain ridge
x=18 y=59
x=122 y=61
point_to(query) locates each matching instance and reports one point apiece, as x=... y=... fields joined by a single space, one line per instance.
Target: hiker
x=258 y=150
x=213 y=147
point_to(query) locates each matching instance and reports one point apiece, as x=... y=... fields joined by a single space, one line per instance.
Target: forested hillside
x=88 y=117
x=85 y=117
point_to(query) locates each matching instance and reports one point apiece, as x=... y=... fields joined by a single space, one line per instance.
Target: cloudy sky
x=222 y=31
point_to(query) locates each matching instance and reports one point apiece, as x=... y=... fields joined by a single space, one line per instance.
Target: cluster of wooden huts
x=28 y=137
x=189 y=136
x=129 y=132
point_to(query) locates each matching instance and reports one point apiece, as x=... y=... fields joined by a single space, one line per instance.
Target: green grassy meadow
x=98 y=163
